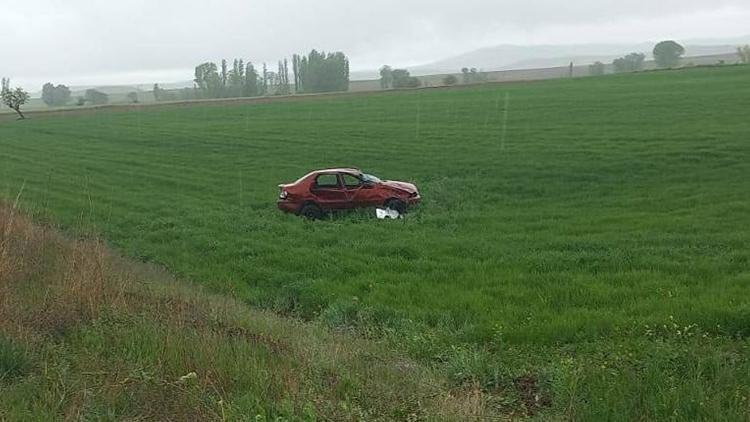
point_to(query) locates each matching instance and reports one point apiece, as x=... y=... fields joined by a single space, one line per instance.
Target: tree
x=208 y=81
x=157 y=93
x=633 y=62
x=133 y=97
x=251 y=81
x=744 y=53
x=264 y=85
x=667 y=54
x=597 y=69
x=55 y=96
x=237 y=79
x=403 y=79
x=14 y=98
x=48 y=94
x=450 y=80
x=96 y=97
x=386 y=77
x=224 y=77
x=296 y=62
x=283 y=79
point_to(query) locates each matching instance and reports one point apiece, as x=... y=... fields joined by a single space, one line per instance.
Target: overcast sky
x=82 y=42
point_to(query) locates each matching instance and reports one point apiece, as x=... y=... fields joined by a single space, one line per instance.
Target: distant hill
x=506 y=57
x=520 y=57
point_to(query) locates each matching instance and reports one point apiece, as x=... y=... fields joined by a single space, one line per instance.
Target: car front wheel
x=396 y=204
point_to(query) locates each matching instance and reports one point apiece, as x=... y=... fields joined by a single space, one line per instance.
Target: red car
x=344 y=188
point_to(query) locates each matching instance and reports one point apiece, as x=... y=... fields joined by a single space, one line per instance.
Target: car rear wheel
x=396 y=204
x=311 y=212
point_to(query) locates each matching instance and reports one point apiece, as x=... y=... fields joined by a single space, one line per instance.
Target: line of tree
x=667 y=54
x=633 y=62
x=315 y=72
x=239 y=81
x=55 y=96
x=401 y=78
x=321 y=72
x=13 y=98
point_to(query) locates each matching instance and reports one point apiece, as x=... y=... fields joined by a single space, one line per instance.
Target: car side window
x=327 y=181
x=351 y=182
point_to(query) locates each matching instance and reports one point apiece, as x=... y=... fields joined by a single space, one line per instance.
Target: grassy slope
x=613 y=215
x=87 y=335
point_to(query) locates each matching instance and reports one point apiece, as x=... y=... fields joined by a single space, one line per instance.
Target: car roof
x=338 y=170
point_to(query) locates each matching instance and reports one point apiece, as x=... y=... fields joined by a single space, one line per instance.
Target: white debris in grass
x=387 y=213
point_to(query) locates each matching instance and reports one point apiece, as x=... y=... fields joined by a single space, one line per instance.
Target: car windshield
x=368 y=178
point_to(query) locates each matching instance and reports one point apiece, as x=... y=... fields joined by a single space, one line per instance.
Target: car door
x=359 y=193
x=328 y=191
x=353 y=188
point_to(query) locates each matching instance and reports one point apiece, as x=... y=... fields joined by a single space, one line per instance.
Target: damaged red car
x=322 y=191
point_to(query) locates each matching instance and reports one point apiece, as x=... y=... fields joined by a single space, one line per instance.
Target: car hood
x=406 y=187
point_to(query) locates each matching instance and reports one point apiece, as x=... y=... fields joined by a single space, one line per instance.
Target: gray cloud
x=105 y=41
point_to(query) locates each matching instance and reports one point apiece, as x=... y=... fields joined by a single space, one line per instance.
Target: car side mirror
x=368 y=185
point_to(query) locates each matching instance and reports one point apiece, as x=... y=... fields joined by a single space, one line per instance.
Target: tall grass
x=89 y=335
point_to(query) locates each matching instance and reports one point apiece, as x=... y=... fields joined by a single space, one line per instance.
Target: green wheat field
x=593 y=235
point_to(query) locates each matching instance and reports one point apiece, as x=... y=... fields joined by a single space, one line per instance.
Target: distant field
x=600 y=246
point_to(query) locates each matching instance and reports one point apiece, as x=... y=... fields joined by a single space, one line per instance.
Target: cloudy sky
x=81 y=42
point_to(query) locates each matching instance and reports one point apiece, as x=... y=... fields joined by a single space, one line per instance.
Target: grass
x=93 y=336
x=13 y=361
x=577 y=249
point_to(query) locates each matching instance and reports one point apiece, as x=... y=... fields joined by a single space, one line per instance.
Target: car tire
x=396 y=204
x=311 y=212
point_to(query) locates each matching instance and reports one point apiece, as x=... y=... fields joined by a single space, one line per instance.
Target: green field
x=597 y=243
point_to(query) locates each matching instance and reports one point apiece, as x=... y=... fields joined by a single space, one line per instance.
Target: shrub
x=450 y=80
x=96 y=97
x=403 y=79
x=633 y=62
